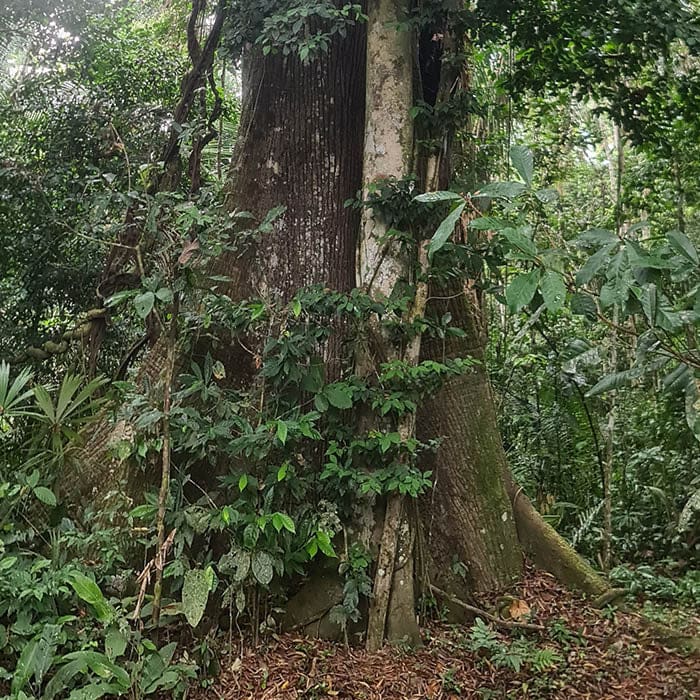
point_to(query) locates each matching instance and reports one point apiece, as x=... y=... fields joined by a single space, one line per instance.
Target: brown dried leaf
x=518 y=608
x=188 y=251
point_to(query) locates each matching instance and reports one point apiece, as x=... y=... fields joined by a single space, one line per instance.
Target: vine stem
x=506 y=624
x=165 y=463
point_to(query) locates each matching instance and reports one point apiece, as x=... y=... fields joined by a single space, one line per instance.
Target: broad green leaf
x=584 y=305
x=243 y=482
x=120 y=297
x=520 y=242
x=143 y=304
x=487 y=223
x=613 y=381
x=7 y=563
x=45 y=495
x=195 y=594
x=144 y=511
x=262 y=567
x=94 y=691
x=100 y=665
x=501 y=190
x=445 y=230
x=61 y=680
x=46 y=648
x=553 y=290
x=682 y=245
x=281 y=431
x=597 y=236
x=25 y=665
x=165 y=295
x=90 y=592
x=115 y=643
x=282 y=520
x=521 y=290
x=241 y=563
x=593 y=265
x=339 y=396
x=439 y=196
x=324 y=544
x=521 y=158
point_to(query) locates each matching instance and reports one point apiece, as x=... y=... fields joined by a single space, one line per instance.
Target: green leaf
x=521 y=158
x=262 y=567
x=487 y=223
x=281 y=431
x=584 y=305
x=243 y=482
x=100 y=665
x=553 y=290
x=115 y=643
x=520 y=242
x=682 y=245
x=597 y=237
x=195 y=594
x=613 y=381
x=46 y=648
x=439 y=196
x=89 y=591
x=501 y=190
x=339 y=396
x=286 y=522
x=25 y=666
x=144 y=304
x=165 y=295
x=241 y=562
x=144 y=511
x=521 y=290
x=296 y=308
x=45 y=495
x=61 y=680
x=36 y=658
x=593 y=265
x=120 y=297
x=324 y=544
x=445 y=230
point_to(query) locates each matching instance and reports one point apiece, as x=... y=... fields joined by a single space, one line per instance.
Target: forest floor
x=583 y=652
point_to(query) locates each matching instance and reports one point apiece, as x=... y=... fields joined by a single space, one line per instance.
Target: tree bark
x=471 y=542
x=388 y=149
x=300 y=147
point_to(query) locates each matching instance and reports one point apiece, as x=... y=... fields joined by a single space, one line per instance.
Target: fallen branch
x=507 y=624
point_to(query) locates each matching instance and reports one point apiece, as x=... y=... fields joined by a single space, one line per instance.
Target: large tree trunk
x=300 y=147
x=470 y=538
